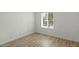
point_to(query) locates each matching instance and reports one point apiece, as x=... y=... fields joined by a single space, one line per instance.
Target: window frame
x=42 y=23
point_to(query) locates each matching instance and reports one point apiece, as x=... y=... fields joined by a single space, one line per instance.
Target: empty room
x=39 y=29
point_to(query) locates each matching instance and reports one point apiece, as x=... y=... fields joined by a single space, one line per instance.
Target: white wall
x=15 y=25
x=66 y=25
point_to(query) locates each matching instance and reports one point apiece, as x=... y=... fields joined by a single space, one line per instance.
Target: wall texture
x=14 y=25
x=66 y=25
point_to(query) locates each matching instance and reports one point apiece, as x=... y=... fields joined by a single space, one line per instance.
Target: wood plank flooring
x=40 y=40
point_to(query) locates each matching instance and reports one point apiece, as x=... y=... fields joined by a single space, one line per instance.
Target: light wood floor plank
x=41 y=40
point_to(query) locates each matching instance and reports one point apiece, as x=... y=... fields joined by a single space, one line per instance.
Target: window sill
x=51 y=27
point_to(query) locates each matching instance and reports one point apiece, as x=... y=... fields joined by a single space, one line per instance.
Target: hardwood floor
x=41 y=40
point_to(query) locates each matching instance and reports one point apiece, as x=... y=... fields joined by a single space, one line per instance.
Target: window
x=47 y=20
